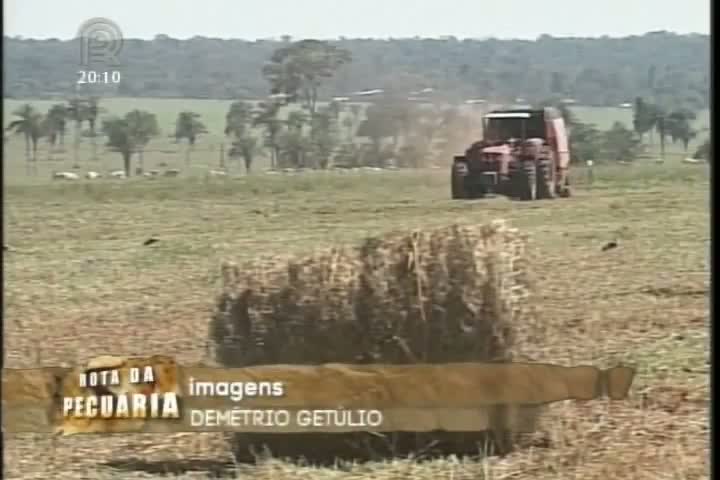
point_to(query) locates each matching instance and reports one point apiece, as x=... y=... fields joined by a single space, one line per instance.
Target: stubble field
x=79 y=283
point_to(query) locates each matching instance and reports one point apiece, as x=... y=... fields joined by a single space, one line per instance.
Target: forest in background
x=673 y=70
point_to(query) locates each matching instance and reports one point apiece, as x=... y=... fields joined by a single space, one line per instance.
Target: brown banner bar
x=157 y=395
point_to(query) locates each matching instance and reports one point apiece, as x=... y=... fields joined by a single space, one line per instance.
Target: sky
x=328 y=19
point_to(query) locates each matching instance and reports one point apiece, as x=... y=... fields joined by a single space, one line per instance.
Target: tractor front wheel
x=457 y=184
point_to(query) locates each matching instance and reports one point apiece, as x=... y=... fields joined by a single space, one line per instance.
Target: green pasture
x=210 y=152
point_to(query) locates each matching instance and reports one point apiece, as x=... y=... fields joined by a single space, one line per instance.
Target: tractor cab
x=524 y=153
x=503 y=126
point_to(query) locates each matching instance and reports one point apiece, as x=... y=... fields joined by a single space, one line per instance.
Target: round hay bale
x=453 y=294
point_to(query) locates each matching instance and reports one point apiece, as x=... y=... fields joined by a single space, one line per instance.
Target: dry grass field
x=79 y=282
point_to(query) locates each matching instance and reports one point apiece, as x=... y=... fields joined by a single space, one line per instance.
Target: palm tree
x=238 y=119
x=189 y=126
x=50 y=131
x=30 y=126
x=267 y=117
x=324 y=137
x=293 y=148
x=296 y=141
x=143 y=126
x=297 y=120
x=679 y=125
x=77 y=111
x=643 y=118
x=245 y=147
x=57 y=118
x=130 y=135
x=238 y=122
x=650 y=117
x=119 y=139
x=54 y=127
x=660 y=121
x=93 y=111
x=37 y=131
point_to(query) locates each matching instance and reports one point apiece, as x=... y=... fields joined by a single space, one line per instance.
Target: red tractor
x=524 y=155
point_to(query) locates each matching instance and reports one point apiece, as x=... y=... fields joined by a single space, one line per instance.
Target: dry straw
x=458 y=293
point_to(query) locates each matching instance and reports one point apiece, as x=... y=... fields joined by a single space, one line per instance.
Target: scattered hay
x=451 y=294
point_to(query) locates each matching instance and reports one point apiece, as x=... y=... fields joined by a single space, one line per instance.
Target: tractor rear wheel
x=527 y=181
x=545 y=182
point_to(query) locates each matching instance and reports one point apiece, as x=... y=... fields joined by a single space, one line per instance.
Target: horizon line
x=387 y=38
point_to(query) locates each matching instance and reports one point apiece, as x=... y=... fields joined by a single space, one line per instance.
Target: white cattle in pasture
x=92 y=175
x=346 y=170
x=65 y=176
x=293 y=171
x=217 y=173
x=693 y=161
x=118 y=174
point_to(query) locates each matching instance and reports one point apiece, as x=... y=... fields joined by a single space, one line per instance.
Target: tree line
x=651 y=121
x=298 y=131
x=594 y=71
